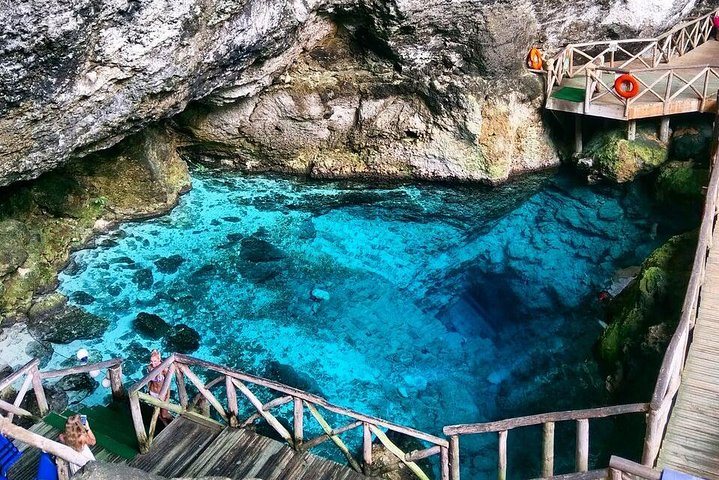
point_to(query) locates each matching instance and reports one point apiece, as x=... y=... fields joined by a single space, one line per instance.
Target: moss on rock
x=621 y=160
x=643 y=317
x=681 y=183
x=41 y=221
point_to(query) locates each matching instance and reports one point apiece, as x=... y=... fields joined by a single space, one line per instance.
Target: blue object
x=9 y=454
x=669 y=474
x=46 y=470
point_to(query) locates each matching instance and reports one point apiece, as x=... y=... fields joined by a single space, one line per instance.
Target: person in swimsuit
x=155 y=384
x=79 y=437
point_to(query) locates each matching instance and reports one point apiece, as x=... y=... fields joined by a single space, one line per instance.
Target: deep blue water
x=426 y=305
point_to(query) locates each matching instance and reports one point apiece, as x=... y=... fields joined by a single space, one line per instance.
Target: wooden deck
x=691 y=443
x=192 y=446
x=606 y=104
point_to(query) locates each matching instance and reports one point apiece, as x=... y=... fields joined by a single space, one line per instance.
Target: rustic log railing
x=621 y=469
x=577 y=58
x=178 y=370
x=31 y=377
x=670 y=372
x=662 y=84
x=548 y=421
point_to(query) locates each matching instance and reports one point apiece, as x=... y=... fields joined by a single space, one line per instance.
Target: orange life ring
x=535 y=59
x=626 y=86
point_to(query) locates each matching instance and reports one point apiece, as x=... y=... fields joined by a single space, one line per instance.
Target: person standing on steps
x=715 y=22
x=156 y=382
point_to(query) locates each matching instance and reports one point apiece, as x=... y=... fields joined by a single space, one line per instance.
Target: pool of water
x=426 y=305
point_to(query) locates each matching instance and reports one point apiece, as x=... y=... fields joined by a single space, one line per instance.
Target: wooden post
x=39 y=392
x=664 y=129
x=231 y=401
x=444 y=462
x=632 y=130
x=204 y=391
x=454 y=457
x=366 y=448
x=137 y=422
x=118 y=390
x=21 y=394
x=615 y=474
x=582 y=457
x=668 y=92
x=502 y=460
x=578 y=147
x=181 y=389
x=548 y=450
x=299 y=421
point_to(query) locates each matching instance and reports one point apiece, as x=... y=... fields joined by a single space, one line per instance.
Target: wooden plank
x=176 y=447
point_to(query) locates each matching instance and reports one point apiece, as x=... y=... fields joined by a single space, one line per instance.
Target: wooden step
x=177 y=446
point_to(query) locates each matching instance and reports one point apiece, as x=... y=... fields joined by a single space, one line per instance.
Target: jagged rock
x=150 y=325
x=78 y=382
x=61 y=99
x=143 y=278
x=169 y=264
x=41 y=350
x=691 y=141
x=621 y=160
x=82 y=298
x=14 y=237
x=182 y=339
x=51 y=319
x=681 y=183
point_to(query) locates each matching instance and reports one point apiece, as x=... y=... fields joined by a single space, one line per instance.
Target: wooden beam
x=502 y=456
x=394 y=449
x=231 y=401
x=582 y=454
x=454 y=457
x=14 y=410
x=548 y=450
x=444 y=463
x=204 y=391
x=266 y=407
x=366 y=448
x=416 y=455
x=116 y=386
x=664 y=129
x=335 y=439
x=137 y=423
x=39 y=392
x=21 y=394
x=269 y=418
x=181 y=388
x=87 y=368
x=511 y=423
x=634 y=468
x=10 y=379
x=152 y=374
x=38 y=441
x=298 y=411
x=308 y=397
x=632 y=130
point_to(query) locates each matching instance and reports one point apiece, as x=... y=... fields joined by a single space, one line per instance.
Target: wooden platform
x=648 y=105
x=691 y=443
x=193 y=447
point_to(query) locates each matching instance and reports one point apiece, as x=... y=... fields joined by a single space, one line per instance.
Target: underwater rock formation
x=88 y=74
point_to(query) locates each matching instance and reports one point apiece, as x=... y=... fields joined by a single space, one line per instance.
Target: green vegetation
x=622 y=160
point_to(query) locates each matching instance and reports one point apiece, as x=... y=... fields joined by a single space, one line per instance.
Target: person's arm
x=89 y=437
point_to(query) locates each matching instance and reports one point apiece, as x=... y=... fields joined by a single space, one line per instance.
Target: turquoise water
x=426 y=305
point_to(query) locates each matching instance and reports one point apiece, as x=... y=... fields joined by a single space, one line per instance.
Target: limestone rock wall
x=78 y=76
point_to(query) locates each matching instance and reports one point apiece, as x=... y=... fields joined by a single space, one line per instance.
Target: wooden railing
x=672 y=366
x=178 y=369
x=548 y=421
x=672 y=81
x=31 y=377
x=622 y=469
x=577 y=58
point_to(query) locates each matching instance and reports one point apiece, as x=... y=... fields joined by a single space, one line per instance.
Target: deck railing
x=178 y=369
x=661 y=84
x=30 y=376
x=669 y=378
x=548 y=421
x=577 y=58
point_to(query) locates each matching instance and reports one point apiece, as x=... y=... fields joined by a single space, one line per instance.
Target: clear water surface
x=426 y=305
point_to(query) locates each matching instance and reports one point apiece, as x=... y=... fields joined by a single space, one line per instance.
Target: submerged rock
x=169 y=264
x=143 y=278
x=288 y=375
x=182 y=338
x=150 y=325
x=51 y=319
x=257 y=250
x=77 y=382
x=681 y=183
x=82 y=298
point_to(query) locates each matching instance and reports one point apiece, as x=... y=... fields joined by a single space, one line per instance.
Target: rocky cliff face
x=78 y=76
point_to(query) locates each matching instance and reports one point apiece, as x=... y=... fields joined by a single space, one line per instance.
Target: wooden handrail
x=10 y=379
x=511 y=423
x=81 y=369
x=152 y=374
x=308 y=397
x=669 y=377
x=632 y=468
